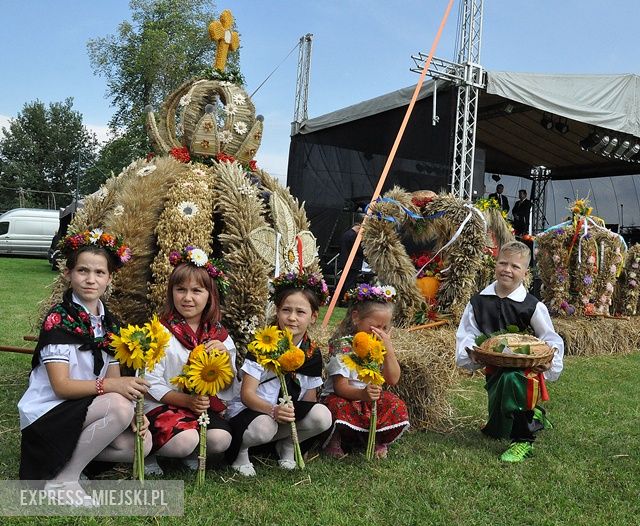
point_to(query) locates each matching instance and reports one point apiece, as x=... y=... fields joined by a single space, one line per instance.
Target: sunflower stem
x=371 y=442
x=138 y=456
x=202 y=455
x=297 y=452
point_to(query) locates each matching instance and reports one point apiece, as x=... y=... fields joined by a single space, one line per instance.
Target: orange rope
x=387 y=166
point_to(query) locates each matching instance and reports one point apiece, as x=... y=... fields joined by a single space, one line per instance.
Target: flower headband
x=312 y=282
x=198 y=258
x=98 y=238
x=365 y=292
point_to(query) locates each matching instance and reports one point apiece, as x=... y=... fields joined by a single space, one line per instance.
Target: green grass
x=586 y=471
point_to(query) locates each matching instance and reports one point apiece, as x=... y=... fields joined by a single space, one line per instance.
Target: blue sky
x=361 y=49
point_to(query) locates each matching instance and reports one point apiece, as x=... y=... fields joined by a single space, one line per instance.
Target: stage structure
x=467 y=74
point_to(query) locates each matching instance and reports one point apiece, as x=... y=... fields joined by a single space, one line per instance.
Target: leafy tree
x=165 y=44
x=42 y=151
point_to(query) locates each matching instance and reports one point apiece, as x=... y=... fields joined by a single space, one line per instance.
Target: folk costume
x=513 y=393
x=51 y=425
x=306 y=378
x=165 y=420
x=351 y=418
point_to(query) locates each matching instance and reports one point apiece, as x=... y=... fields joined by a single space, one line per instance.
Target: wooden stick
x=427 y=325
x=10 y=348
x=30 y=338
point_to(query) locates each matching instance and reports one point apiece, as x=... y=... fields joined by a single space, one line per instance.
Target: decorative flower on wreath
x=238 y=99
x=366 y=292
x=97 y=237
x=487 y=203
x=230 y=109
x=240 y=128
x=427 y=264
x=225 y=136
x=188 y=209
x=198 y=258
x=313 y=282
x=181 y=154
x=143 y=172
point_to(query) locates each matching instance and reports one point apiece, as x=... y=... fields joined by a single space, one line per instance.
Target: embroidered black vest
x=493 y=313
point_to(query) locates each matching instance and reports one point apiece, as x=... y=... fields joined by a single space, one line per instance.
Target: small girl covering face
x=77 y=407
x=255 y=416
x=192 y=314
x=370 y=310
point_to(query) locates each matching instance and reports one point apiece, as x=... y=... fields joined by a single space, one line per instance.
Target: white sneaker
x=246 y=470
x=151 y=466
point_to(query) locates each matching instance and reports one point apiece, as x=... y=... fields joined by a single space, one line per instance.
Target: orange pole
x=387 y=166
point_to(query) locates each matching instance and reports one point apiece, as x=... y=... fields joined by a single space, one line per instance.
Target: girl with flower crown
x=192 y=315
x=255 y=415
x=77 y=407
x=370 y=310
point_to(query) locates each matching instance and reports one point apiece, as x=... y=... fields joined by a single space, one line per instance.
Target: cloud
x=4 y=121
x=101 y=131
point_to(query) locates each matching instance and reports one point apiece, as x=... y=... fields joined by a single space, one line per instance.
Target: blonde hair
x=363 y=308
x=516 y=247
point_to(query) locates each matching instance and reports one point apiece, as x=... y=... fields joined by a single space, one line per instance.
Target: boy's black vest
x=493 y=313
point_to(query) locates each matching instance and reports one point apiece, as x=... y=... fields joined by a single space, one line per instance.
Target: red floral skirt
x=352 y=418
x=167 y=421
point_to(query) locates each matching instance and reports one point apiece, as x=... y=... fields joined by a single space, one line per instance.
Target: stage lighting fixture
x=604 y=141
x=546 y=122
x=590 y=141
x=620 y=150
x=495 y=177
x=611 y=146
x=562 y=126
x=631 y=152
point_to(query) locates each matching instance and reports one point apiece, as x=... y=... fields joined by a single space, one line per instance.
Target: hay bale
x=596 y=336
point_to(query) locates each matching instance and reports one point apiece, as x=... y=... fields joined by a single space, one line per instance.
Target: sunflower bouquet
x=275 y=351
x=140 y=348
x=206 y=373
x=366 y=358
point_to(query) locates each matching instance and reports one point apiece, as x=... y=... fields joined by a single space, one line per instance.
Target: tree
x=42 y=151
x=165 y=44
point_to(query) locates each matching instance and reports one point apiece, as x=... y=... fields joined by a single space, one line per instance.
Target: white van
x=28 y=231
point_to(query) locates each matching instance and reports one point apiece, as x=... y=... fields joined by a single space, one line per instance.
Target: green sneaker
x=538 y=414
x=517 y=452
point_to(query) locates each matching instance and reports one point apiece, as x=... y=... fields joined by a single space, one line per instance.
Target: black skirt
x=49 y=442
x=241 y=421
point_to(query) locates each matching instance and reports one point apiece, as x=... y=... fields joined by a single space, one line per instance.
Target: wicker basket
x=514 y=361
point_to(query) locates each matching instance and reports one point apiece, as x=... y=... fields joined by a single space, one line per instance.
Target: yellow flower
x=266 y=339
x=361 y=344
x=370 y=376
x=269 y=363
x=160 y=338
x=377 y=352
x=210 y=372
x=128 y=346
x=350 y=362
x=195 y=352
x=181 y=381
x=292 y=359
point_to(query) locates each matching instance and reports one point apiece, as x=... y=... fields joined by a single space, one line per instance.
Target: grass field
x=586 y=471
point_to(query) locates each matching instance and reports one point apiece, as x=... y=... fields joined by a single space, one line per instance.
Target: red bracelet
x=100 y=386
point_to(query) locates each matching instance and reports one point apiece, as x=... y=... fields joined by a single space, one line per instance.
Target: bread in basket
x=514 y=350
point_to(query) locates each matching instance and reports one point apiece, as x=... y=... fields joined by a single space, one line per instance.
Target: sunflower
x=193 y=355
x=351 y=363
x=266 y=340
x=181 y=381
x=292 y=359
x=210 y=372
x=160 y=338
x=377 y=352
x=370 y=376
x=128 y=346
x=269 y=363
x=361 y=344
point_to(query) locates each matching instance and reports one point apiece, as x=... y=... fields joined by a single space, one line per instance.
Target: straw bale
x=596 y=335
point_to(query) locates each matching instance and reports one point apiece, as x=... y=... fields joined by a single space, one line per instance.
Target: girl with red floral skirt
x=349 y=400
x=192 y=315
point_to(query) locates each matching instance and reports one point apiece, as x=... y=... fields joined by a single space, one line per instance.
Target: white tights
x=184 y=443
x=265 y=429
x=104 y=436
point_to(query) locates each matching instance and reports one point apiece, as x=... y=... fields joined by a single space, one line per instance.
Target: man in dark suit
x=502 y=199
x=521 y=212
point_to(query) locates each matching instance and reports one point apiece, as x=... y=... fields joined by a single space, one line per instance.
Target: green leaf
x=512 y=329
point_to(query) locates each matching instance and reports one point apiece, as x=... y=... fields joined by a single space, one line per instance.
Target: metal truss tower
x=467 y=74
x=302 y=82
